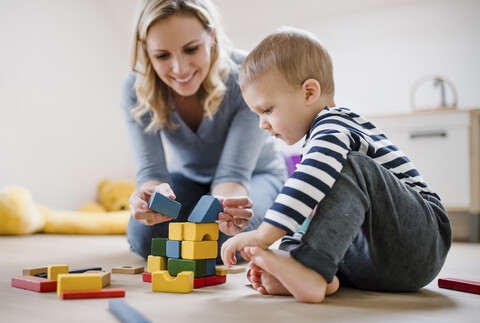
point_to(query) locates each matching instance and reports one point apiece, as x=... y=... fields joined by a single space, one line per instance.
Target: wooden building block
x=233 y=269
x=206 y=210
x=163 y=282
x=210 y=264
x=200 y=231
x=215 y=280
x=54 y=270
x=147 y=277
x=35 y=284
x=199 y=249
x=159 y=247
x=156 y=263
x=175 y=231
x=462 y=285
x=174 y=248
x=176 y=266
x=101 y=293
x=74 y=271
x=124 y=312
x=164 y=205
x=199 y=282
x=106 y=276
x=126 y=269
x=78 y=282
x=221 y=271
x=34 y=271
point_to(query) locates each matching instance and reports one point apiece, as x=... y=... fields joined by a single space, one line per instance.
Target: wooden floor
x=230 y=302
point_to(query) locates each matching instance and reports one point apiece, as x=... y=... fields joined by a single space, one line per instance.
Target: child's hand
x=237 y=243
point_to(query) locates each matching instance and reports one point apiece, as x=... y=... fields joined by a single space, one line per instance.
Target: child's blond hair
x=295 y=54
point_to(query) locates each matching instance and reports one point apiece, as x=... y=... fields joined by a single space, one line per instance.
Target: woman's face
x=180 y=51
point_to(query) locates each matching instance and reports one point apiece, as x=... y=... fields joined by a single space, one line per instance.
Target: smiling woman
x=183 y=93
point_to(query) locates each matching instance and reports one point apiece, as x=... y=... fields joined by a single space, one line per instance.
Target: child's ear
x=312 y=91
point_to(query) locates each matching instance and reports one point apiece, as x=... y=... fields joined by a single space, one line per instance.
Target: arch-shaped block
x=163 y=282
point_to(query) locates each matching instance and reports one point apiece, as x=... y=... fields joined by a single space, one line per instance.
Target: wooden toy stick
x=124 y=312
x=460 y=285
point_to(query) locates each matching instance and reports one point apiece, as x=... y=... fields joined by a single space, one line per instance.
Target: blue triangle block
x=164 y=205
x=206 y=210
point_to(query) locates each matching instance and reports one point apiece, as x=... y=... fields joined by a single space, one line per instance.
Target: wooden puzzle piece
x=159 y=247
x=206 y=210
x=124 y=312
x=73 y=271
x=156 y=263
x=126 y=269
x=199 y=282
x=101 y=293
x=221 y=271
x=35 y=271
x=78 y=282
x=163 y=282
x=462 y=285
x=199 y=249
x=54 y=270
x=147 y=277
x=176 y=266
x=215 y=280
x=233 y=269
x=106 y=276
x=210 y=264
x=175 y=231
x=200 y=231
x=164 y=205
x=174 y=248
x=34 y=283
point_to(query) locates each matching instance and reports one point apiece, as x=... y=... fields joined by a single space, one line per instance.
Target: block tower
x=190 y=251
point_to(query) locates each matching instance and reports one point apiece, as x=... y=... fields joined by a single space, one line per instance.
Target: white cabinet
x=444 y=145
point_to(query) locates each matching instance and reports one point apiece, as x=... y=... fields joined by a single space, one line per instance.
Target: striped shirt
x=334 y=133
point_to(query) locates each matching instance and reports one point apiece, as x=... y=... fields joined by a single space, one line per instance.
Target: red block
x=199 y=282
x=147 y=277
x=460 y=285
x=34 y=283
x=101 y=293
x=215 y=280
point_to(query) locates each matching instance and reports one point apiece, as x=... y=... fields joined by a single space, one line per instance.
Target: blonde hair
x=295 y=54
x=154 y=96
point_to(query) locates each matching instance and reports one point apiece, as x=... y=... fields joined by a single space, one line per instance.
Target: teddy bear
x=20 y=215
x=112 y=196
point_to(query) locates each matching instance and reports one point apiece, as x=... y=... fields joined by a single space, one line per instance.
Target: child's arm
x=263 y=237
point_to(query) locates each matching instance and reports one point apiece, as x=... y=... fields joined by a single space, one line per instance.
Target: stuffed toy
x=20 y=215
x=112 y=196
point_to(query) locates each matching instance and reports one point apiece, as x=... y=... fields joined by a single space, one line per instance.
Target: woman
x=183 y=94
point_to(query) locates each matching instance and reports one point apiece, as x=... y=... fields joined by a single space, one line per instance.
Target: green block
x=198 y=266
x=159 y=247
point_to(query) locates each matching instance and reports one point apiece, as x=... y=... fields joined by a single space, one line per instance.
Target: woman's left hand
x=236 y=215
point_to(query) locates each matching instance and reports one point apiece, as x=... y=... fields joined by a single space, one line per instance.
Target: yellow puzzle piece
x=156 y=263
x=54 y=270
x=200 y=231
x=163 y=282
x=78 y=282
x=175 y=231
x=199 y=249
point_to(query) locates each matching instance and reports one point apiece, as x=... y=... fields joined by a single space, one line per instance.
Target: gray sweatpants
x=374 y=232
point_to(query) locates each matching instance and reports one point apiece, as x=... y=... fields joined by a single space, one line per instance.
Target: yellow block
x=54 y=270
x=156 y=263
x=78 y=282
x=200 y=231
x=220 y=271
x=163 y=282
x=175 y=231
x=199 y=249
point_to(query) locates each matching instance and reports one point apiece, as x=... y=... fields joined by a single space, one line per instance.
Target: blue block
x=164 y=205
x=210 y=266
x=125 y=313
x=206 y=210
x=174 y=249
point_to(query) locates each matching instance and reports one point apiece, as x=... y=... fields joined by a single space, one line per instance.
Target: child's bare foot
x=276 y=272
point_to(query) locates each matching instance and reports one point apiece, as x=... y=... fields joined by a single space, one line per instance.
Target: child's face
x=282 y=110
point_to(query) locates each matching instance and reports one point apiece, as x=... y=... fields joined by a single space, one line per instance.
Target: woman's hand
x=236 y=215
x=139 y=202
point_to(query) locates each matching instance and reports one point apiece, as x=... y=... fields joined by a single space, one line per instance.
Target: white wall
x=63 y=62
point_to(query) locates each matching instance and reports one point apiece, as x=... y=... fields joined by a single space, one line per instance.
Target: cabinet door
x=439 y=147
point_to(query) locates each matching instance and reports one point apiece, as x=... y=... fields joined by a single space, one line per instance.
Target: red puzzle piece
x=34 y=283
x=147 y=277
x=101 y=293
x=459 y=284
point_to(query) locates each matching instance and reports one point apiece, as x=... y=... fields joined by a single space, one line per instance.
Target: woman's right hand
x=139 y=202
